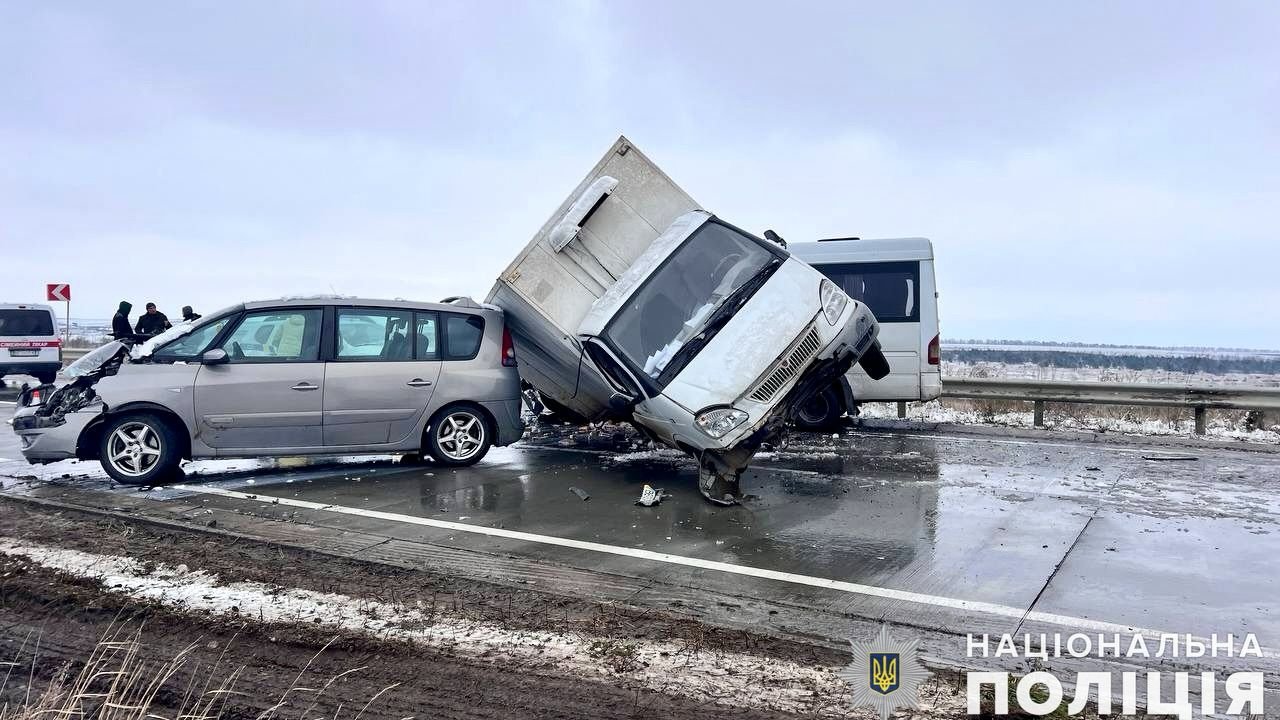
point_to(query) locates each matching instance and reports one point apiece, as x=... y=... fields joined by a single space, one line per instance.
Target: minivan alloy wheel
x=134 y=449
x=460 y=435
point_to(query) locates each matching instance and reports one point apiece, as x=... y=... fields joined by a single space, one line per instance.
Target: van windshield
x=688 y=298
x=16 y=323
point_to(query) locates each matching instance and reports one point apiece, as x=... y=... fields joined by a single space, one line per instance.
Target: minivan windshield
x=688 y=299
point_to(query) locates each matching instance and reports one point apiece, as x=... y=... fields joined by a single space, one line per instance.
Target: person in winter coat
x=120 y=321
x=188 y=314
x=152 y=322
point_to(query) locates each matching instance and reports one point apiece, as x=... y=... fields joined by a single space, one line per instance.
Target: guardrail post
x=902 y=408
x=1199 y=415
x=1038 y=412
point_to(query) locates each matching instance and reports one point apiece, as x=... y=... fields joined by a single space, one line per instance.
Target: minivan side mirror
x=216 y=356
x=621 y=402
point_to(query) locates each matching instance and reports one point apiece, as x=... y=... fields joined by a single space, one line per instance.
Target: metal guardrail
x=1199 y=398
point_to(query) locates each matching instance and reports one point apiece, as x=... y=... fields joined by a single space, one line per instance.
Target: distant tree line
x=1214 y=365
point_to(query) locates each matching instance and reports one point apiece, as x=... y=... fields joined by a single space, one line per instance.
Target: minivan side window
x=279 y=335
x=373 y=334
x=427 y=336
x=193 y=343
x=462 y=334
x=890 y=289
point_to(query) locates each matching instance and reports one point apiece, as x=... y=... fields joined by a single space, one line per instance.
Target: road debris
x=582 y=494
x=1170 y=457
x=651 y=496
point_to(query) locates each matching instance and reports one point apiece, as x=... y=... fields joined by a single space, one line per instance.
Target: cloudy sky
x=1103 y=172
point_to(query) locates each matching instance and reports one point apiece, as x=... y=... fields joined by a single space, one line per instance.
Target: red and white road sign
x=58 y=291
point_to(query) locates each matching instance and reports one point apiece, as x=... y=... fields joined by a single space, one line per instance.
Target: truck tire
x=139 y=449
x=46 y=378
x=459 y=435
x=874 y=363
x=821 y=411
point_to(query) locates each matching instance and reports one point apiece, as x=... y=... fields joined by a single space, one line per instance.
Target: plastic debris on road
x=582 y=494
x=651 y=496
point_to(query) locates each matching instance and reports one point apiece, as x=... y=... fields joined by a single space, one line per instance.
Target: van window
x=25 y=322
x=428 y=336
x=890 y=289
x=373 y=334
x=462 y=335
x=283 y=335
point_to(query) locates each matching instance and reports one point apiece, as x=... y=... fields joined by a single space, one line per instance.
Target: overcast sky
x=1103 y=172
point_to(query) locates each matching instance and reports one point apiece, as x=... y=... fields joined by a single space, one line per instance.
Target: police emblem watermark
x=885 y=673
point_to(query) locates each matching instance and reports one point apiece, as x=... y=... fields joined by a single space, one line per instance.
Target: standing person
x=120 y=321
x=152 y=322
x=188 y=314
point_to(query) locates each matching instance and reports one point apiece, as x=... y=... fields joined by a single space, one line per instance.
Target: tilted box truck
x=632 y=303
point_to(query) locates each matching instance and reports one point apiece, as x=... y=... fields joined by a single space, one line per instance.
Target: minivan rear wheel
x=139 y=449
x=459 y=436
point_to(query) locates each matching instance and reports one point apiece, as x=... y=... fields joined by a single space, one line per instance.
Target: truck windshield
x=693 y=293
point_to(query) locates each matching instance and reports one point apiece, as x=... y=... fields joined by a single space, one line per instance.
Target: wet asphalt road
x=1093 y=532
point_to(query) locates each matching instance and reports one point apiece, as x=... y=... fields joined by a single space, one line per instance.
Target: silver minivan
x=299 y=376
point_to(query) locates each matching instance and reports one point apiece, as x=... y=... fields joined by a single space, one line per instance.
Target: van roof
x=863 y=250
x=25 y=306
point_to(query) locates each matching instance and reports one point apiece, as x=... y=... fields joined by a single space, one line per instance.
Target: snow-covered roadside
x=944 y=412
x=728 y=679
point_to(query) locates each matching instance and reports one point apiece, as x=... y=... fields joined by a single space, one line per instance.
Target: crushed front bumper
x=46 y=439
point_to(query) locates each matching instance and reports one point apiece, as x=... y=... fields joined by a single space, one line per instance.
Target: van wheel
x=459 y=436
x=46 y=378
x=820 y=411
x=139 y=449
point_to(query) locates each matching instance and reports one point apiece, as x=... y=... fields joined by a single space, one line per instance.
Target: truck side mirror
x=621 y=402
x=216 y=356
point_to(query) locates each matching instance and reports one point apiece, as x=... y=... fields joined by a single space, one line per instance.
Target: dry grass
x=118 y=682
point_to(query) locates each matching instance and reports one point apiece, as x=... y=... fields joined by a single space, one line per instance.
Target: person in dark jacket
x=152 y=322
x=120 y=321
x=188 y=314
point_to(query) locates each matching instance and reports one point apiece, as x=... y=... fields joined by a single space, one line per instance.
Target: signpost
x=55 y=292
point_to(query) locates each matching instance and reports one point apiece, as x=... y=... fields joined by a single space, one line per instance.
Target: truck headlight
x=717 y=422
x=833 y=301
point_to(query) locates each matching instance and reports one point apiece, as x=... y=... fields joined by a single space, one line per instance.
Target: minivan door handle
x=304 y=385
x=418 y=382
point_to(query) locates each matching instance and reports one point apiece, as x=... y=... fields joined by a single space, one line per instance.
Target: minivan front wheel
x=458 y=436
x=139 y=449
x=821 y=411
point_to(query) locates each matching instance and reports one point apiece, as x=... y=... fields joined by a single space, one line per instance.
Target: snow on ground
x=965 y=412
x=1031 y=371
x=722 y=678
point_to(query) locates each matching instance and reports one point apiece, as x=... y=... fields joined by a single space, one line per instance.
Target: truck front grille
x=792 y=362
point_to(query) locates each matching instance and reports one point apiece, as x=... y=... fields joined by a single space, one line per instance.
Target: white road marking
x=8 y=402
x=763 y=573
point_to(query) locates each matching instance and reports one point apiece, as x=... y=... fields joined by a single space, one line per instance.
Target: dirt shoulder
x=52 y=618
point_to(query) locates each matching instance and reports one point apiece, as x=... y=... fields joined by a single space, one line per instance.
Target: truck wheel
x=458 y=436
x=46 y=378
x=139 y=449
x=820 y=411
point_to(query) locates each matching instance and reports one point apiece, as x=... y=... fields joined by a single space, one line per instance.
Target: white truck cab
x=633 y=303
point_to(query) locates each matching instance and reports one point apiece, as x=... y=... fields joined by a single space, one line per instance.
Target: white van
x=895 y=278
x=29 y=343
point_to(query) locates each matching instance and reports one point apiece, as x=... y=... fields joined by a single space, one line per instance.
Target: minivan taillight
x=935 y=350
x=508 y=349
